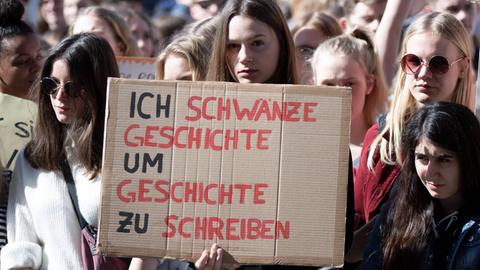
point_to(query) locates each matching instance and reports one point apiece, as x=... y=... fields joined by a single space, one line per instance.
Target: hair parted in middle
x=91 y=61
x=360 y=46
x=404 y=104
x=268 y=12
x=118 y=26
x=408 y=227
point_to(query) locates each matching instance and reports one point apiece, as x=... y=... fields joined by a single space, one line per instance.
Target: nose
x=374 y=25
x=424 y=71
x=141 y=43
x=35 y=67
x=243 y=54
x=60 y=94
x=431 y=170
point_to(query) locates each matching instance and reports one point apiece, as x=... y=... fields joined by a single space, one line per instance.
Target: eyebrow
x=439 y=156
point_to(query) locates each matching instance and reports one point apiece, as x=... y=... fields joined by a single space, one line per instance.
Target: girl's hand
x=214 y=259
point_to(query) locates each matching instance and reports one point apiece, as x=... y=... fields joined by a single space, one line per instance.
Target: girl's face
x=427 y=86
x=89 y=23
x=67 y=108
x=71 y=8
x=252 y=50
x=463 y=10
x=176 y=67
x=439 y=171
x=306 y=40
x=52 y=12
x=342 y=70
x=19 y=64
x=141 y=33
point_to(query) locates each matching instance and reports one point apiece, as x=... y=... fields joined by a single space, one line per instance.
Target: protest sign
x=260 y=169
x=142 y=68
x=17 y=117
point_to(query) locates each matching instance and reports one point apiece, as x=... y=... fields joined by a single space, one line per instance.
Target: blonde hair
x=360 y=47
x=403 y=103
x=196 y=50
x=119 y=28
x=320 y=20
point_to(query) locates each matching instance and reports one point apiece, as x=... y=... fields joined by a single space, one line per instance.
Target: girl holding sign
x=253 y=45
x=43 y=229
x=433 y=219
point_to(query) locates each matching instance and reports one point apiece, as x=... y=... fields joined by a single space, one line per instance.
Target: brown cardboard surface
x=288 y=178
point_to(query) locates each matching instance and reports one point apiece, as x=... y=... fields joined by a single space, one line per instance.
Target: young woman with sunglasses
x=432 y=220
x=42 y=227
x=435 y=66
x=43 y=230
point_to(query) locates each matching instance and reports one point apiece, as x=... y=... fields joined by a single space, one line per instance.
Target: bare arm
x=387 y=37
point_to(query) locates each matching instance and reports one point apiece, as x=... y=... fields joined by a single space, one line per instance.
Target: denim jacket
x=464 y=254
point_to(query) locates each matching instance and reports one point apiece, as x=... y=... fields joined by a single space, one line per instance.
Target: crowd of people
x=414 y=137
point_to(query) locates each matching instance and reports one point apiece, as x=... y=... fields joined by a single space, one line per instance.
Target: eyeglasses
x=437 y=64
x=204 y=3
x=306 y=52
x=51 y=86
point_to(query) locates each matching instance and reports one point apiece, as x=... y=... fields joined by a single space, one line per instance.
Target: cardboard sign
x=260 y=169
x=17 y=117
x=142 y=68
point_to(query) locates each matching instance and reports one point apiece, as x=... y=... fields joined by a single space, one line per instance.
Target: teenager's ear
x=370 y=84
x=122 y=47
x=343 y=23
x=464 y=67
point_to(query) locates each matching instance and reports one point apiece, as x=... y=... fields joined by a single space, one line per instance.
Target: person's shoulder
x=23 y=169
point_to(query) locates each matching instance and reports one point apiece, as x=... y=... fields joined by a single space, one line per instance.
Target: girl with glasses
x=311 y=30
x=432 y=220
x=42 y=226
x=435 y=66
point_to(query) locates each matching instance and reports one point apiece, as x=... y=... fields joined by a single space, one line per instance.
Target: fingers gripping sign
x=215 y=259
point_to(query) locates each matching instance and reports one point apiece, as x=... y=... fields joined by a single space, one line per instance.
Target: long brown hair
x=408 y=227
x=90 y=60
x=268 y=12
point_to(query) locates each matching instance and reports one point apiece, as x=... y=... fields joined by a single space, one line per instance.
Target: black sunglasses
x=437 y=64
x=51 y=86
